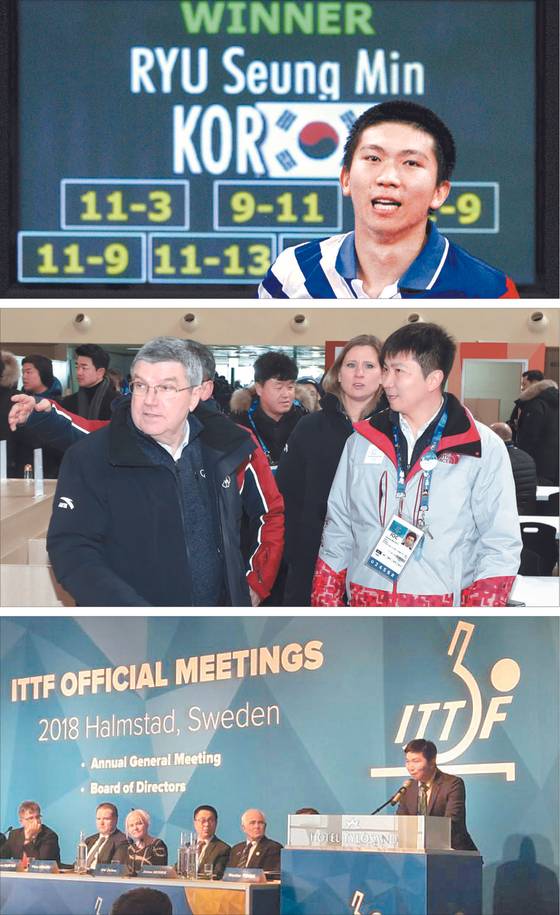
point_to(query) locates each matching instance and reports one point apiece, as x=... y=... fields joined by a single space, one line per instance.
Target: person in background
x=38 y=377
x=9 y=377
x=534 y=421
x=118 y=381
x=257 y=850
x=33 y=839
x=39 y=380
x=273 y=412
x=211 y=850
x=434 y=793
x=142 y=901
x=142 y=848
x=314 y=393
x=95 y=394
x=524 y=471
x=352 y=387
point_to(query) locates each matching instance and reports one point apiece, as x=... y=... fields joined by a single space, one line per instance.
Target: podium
x=360 y=865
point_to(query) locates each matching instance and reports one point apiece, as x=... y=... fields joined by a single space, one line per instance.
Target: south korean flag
x=306 y=139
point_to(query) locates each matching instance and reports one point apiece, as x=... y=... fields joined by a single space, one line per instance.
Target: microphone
x=401 y=792
x=395 y=798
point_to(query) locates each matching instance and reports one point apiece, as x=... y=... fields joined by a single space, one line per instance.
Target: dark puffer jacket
x=535 y=423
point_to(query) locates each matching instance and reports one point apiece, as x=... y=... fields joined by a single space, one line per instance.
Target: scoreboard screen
x=180 y=146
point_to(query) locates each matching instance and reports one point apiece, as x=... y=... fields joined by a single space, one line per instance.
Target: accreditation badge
x=394 y=548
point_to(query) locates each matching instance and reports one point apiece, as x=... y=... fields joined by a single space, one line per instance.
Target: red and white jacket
x=474 y=555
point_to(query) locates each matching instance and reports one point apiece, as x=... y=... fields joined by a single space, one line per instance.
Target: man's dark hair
x=425 y=747
x=142 y=901
x=111 y=807
x=206 y=359
x=275 y=365
x=406 y=113
x=205 y=807
x=533 y=375
x=429 y=344
x=308 y=810
x=99 y=356
x=43 y=365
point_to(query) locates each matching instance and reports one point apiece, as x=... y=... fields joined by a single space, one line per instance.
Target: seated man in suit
x=434 y=793
x=257 y=850
x=33 y=839
x=211 y=850
x=103 y=845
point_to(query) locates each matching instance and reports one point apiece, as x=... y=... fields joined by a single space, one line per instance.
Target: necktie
x=423 y=800
x=245 y=855
x=200 y=849
x=94 y=851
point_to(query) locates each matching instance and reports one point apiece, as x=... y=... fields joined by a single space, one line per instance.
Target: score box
x=124 y=203
x=81 y=257
x=313 y=206
x=472 y=206
x=204 y=257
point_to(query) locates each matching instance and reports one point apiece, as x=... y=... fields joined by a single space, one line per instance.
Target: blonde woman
x=142 y=848
x=352 y=388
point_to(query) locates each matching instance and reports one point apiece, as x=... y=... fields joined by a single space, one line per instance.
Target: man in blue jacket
x=147 y=510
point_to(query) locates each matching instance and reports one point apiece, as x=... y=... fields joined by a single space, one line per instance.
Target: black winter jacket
x=525 y=479
x=272 y=435
x=535 y=424
x=304 y=478
x=117 y=535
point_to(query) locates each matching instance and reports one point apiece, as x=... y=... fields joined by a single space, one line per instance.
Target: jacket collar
x=547 y=385
x=423 y=271
x=215 y=429
x=460 y=434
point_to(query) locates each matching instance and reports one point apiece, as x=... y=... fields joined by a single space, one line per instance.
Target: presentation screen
x=178 y=145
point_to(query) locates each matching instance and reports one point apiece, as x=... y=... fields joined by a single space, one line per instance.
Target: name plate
x=11 y=864
x=111 y=870
x=245 y=874
x=378 y=833
x=157 y=870
x=42 y=867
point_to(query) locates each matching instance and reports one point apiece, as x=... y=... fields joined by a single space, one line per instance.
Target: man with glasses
x=147 y=510
x=212 y=852
x=33 y=839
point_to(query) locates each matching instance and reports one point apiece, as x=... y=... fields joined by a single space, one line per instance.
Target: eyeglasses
x=165 y=391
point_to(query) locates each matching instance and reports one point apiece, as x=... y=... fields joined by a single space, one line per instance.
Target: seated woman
x=142 y=848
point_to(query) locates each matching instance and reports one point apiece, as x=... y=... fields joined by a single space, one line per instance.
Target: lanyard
x=266 y=450
x=428 y=462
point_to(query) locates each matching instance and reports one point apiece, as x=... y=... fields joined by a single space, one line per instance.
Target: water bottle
x=191 y=862
x=81 y=856
x=182 y=856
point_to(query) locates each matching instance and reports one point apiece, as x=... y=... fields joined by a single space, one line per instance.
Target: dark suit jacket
x=115 y=840
x=44 y=846
x=266 y=855
x=447 y=799
x=216 y=854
